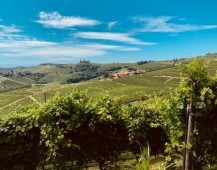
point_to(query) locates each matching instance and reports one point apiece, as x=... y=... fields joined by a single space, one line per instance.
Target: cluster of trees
x=143 y=62
x=84 y=77
x=74 y=130
x=85 y=65
x=90 y=71
x=12 y=73
x=131 y=69
x=87 y=71
x=52 y=64
x=113 y=68
x=37 y=76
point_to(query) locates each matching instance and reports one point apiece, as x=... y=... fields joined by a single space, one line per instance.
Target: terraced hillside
x=159 y=77
x=127 y=89
x=17 y=78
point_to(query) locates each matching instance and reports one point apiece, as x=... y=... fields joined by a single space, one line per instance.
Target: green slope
x=158 y=78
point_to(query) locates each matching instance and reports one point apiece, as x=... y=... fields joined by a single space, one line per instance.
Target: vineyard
x=127 y=89
x=77 y=129
x=17 y=92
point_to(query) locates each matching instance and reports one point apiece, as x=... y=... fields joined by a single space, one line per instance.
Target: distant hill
x=21 y=77
x=45 y=80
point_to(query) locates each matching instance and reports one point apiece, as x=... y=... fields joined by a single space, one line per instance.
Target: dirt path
x=169 y=78
x=14 y=102
x=34 y=100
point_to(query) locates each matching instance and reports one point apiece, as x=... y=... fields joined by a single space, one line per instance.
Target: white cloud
x=165 y=24
x=9 y=29
x=56 y=20
x=111 y=47
x=130 y=49
x=9 y=32
x=43 y=49
x=13 y=44
x=46 y=49
x=63 y=51
x=24 y=43
x=119 y=37
x=112 y=24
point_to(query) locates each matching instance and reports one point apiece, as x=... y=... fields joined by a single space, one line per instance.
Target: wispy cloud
x=111 y=47
x=42 y=49
x=14 y=44
x=24 y=43
x=118 y=37
x=9 y=29
x=9 y=32
x=33 y=48
x=56 y=20
x=112 y=24
x=168 y=24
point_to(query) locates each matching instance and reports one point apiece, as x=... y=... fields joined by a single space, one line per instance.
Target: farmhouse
x=123 y=74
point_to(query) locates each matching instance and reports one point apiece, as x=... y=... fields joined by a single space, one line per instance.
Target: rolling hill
x=156 y=78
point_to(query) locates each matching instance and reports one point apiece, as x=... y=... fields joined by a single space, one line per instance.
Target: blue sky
x=65 y=31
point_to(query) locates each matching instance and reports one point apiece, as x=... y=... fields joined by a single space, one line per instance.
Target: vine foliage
x=74 y=130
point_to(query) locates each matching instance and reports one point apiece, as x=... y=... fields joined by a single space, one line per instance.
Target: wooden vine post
x=187 y=163
x=189 y=127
